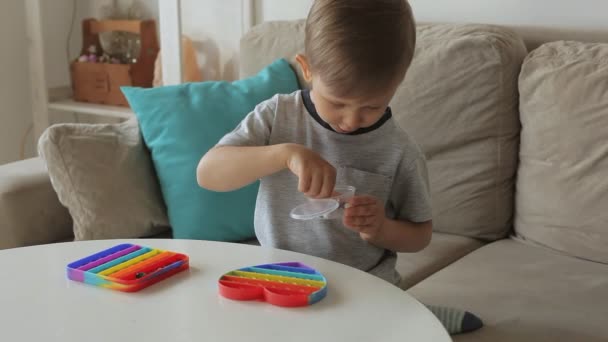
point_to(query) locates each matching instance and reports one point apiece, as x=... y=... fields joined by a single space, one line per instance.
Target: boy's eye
x=338 y=105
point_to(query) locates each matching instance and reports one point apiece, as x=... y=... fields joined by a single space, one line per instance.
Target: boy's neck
x=312 y=110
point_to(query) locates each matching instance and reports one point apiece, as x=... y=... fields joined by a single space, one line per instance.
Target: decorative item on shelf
x=191 y=72
x=97 y=74
x=123 y=46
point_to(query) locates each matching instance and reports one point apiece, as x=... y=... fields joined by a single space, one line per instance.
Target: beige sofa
x=518 y=163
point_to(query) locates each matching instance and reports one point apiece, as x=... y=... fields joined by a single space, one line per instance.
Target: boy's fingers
x=360 y=200
x=315 y=185
x=367 y=210
x=357 y=222
x=365 y=228
x=329 y=181
x=349 y=224
x=304 y=183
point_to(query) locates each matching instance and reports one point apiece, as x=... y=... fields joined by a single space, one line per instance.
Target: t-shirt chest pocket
x=366 y=183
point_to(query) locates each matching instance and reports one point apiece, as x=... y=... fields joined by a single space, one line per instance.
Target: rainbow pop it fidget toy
x=127 y=267
x=283 y=284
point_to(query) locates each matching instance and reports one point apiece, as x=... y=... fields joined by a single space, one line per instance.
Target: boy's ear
x=301 y=59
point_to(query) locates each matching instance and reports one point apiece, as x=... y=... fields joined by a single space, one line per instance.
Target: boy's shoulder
x=284 y=107
x=284 y=99
x=402 y=141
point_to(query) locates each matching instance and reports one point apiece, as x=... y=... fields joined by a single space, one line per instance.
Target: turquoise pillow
x=180 y=124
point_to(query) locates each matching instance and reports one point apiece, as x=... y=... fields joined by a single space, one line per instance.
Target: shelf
x=68 y=105
x=45 y=99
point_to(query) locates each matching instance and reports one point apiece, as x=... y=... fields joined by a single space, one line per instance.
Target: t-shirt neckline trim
x=312 y=111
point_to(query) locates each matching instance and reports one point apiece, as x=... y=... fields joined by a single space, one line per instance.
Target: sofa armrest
x=30 y=212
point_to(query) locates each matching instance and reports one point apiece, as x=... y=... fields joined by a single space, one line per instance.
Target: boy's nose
x=352 y=122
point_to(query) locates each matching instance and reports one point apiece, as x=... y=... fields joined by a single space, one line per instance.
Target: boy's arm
x=366 y=215
x=402 y=236
x=243 y=155
x=227 y=168
x=410 y=229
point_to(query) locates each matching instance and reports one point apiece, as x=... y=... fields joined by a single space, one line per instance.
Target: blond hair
x=358 y=46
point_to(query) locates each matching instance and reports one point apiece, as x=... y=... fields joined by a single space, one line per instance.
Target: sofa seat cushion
x=524 y=293
x=443 y=250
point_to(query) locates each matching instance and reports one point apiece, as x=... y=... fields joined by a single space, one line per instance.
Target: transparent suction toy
x=323 y=208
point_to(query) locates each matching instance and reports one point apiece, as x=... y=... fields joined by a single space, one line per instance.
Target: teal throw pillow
x=180 y=124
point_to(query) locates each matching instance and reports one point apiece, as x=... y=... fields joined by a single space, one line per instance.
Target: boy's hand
x=365 y=215
x=317 y=177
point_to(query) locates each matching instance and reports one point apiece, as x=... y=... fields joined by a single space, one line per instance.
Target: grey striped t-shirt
x=382 y=161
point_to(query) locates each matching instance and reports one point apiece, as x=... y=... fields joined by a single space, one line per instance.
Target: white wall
x=215 y=26
x=15 y=108
x=580 y=14
x=15 y=98
x=270 y=10
x=56 y=22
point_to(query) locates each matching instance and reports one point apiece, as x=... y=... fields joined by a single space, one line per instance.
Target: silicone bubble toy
x=287 y=284
x=127 y=267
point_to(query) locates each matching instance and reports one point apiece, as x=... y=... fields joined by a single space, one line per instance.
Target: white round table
x=39 y=303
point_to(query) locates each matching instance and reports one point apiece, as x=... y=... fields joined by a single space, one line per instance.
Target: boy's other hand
x=365 y=215
x=317 y=177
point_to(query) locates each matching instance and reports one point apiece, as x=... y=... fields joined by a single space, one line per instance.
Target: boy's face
x=346 y=114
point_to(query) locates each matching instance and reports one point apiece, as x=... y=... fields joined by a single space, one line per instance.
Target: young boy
x=339 y=133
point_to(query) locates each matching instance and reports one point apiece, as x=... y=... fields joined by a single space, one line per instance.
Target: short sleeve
x=255 y=128
x=410 y=196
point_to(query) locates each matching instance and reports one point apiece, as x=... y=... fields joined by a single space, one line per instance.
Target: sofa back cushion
x=459 y=102
x=562 y=186
x=179 y=124
x=103 y=174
